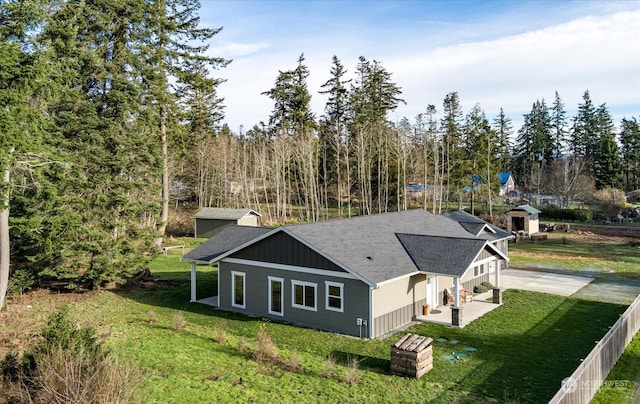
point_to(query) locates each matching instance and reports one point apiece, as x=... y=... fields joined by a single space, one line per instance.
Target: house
x=364 y=276
x=523 y=219
x=506 y=183
x=209 y=221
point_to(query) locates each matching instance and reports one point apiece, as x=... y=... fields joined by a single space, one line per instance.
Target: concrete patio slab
x=556 y=284
x=470 y=311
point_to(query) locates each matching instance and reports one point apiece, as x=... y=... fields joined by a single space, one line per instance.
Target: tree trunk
x=164 y=217
x=4 y=239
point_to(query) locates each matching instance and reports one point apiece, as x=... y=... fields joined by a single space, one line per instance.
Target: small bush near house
x=578 y=215
x=266 y=350
x=480 y=288
x=487 y=285
x=294 y=363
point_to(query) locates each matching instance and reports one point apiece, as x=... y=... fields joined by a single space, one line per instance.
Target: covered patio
x=472 y=310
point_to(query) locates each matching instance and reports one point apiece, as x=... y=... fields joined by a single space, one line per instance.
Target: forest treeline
x=110 y=117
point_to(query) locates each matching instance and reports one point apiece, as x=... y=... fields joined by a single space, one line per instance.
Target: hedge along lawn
x=573 y=252
x=525 y=348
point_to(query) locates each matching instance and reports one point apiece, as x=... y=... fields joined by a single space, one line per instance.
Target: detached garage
x=210 y=221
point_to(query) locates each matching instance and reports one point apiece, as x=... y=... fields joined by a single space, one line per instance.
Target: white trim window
x=238 y=289
x=335 y=296
x=304 y=295
x=276 y=293
x=478 y=270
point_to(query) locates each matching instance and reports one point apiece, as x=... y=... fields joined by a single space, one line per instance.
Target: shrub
x=487 y=285
x=243 y=346
x=579 y=215
x=480 y=289
x=220 y=333
x=68 y=365
x=294 y=363
x=329 y=366
x=266 y=350
x=179 y=321
x=352 y=377
x=61 y=332
x=21 y=281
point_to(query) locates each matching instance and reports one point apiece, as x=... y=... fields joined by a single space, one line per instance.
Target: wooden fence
x=583 y=384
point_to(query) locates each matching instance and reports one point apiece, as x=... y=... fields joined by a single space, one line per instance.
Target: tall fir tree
x=504 y=149
x=607 y=168
x=559 y=124
x=584 y=137
x=630 y=151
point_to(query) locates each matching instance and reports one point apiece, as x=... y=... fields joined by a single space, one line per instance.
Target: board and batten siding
x=396 y=303
x=281 y=248
x=355 y=298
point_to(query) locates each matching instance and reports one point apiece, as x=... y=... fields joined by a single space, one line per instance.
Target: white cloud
x=232 y=49
x=600 y=53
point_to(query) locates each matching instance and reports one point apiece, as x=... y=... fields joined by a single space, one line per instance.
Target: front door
x=432 y=291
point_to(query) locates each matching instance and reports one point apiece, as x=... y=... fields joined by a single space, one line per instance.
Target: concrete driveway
x=563 y=285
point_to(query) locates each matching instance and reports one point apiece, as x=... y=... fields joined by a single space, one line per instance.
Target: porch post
x=193 y=282
x=456 y=310
x=497 y=289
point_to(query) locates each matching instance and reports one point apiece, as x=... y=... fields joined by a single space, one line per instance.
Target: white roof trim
x=293 y=268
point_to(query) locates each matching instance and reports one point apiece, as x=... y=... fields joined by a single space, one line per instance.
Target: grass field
x=572 y=252
x=525 y=348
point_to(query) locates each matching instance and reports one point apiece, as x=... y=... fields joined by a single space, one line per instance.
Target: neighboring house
x=209 y=221
x=506 y=183
x=523 y=219
x=363 y=276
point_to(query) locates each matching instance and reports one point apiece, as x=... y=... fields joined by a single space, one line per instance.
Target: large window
x=276 y=286
x=238 y=289
x=334 y=296
x=303 y=295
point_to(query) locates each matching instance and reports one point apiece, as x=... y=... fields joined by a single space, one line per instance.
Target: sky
x=499 y=54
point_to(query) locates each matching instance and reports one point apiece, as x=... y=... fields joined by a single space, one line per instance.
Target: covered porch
x=452 y=300
x=477 y=308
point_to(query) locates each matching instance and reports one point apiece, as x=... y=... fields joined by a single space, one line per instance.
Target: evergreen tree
x=630 y=150
x=23 y=72
x=502 y=127
x=559 y=123
x=452 y=171
x=584 y=137
x=607 y=167
x=333 y=136
x=534 y=145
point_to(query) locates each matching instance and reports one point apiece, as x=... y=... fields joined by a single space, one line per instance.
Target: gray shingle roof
x=224 y=213
x=368 y=246
x=475 y=225
x=442 y=255
x=230 y=237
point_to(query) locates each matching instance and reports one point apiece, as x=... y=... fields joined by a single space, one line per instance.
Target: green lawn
x=525 y=348
x=568 y=251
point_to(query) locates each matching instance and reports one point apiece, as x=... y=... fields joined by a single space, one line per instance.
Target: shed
x=524 y=218
x=210 y=221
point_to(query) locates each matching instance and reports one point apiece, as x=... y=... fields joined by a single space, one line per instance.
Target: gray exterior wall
x=355 y=298
x=209 y=227
x=396 y=303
